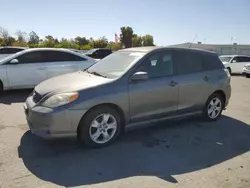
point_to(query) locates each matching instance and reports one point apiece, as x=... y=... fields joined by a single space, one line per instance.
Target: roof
x=49 y=49
x=153 y=48
x=234 y=55
x=20 y=47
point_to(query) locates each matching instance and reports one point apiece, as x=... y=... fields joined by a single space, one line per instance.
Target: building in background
x=220 y=49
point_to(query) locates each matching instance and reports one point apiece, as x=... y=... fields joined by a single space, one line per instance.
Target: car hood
x=70 y=82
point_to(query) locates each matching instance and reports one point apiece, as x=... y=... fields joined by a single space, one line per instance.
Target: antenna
x=193 y=41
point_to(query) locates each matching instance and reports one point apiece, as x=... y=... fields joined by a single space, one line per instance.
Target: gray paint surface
x=138 y=101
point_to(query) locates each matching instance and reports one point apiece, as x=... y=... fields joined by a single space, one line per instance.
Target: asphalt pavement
x=187 y=153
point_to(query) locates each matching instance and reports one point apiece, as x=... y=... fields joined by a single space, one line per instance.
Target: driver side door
x=157 y=96
x=29 y=71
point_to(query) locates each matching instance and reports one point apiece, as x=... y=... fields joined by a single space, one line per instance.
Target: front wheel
x=213 y=108
x=100 y=127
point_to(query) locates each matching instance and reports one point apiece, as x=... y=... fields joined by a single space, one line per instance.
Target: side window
x=33 y=57
x=158 y=65
x=211 y=62
x=56 y=56
x=15 y=50
x=6 y=51
x=188 y=62
x=1 y=50
x=247 y=59
x=238 y=59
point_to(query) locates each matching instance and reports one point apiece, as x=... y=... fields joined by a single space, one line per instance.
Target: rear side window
x=212 y=62
x=32 y=57
x=188 y=62
x=55 y=56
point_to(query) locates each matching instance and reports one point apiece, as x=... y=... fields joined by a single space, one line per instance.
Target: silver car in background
x=128 y=87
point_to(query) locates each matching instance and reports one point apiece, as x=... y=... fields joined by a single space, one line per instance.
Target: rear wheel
x=213 y=108
x=100 y=127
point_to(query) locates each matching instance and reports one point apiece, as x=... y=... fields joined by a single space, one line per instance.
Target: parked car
x=29 y=67
x=148 y=84
x=98 y=53
x=246 y=70
x=9 y=50
x=235 y=63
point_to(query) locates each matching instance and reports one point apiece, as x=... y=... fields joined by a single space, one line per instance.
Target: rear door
x=193 y=81
x=30 y=70
x=60 y=62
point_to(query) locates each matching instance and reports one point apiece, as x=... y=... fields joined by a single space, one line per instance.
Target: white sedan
x=29 y=67
x=235 y=63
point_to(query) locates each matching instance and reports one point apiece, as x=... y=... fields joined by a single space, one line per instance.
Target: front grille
x=36 y=97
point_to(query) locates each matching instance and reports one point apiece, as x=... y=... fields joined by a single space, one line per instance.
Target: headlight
x=59 y=100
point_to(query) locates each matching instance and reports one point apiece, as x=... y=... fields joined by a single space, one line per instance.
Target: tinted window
x=188 y=62
x=239 y=59
x=63 y=56
x=14 y=50
x=158 y=65
x=212 y=62
x=48 y=56
x=245 y=59
x=33 y=57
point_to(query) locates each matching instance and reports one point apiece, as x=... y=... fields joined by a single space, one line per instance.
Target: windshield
x=116 y=64
x=225 y=58
x=90 y=51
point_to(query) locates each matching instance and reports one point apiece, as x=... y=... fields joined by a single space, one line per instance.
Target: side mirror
x=139 y=76
x=234 y=61
x=14 y=61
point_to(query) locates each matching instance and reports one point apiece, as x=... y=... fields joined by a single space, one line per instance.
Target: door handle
x=172 y=83
x=206 y=78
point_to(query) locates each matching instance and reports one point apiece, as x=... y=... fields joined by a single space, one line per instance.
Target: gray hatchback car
x=131 y=86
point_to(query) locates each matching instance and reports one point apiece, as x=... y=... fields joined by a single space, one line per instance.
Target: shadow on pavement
x=170 y=148
x=13 y=96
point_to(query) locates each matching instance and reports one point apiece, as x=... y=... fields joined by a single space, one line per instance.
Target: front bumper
x=52 y=123
x=245 y=71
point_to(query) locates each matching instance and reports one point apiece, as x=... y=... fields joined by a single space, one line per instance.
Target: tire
x=209 y=109
x=229 y=70
x=88 y=131
x=247 y=75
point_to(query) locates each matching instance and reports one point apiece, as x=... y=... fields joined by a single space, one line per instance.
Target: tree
x=99 y=43
x=81 y=41
x=126 y=36
x=148 y=40
x=21 y=36
x=136 y=41
x=9 y=41
x=33 y=38
x=4 y=34
x=114 y=46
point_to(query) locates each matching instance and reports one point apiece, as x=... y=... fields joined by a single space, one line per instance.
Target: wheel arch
x=221 y=93
x=111 y=105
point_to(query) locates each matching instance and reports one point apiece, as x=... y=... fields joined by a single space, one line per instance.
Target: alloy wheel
x=103 y=128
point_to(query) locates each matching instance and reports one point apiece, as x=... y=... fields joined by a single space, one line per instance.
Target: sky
x=168 y=21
